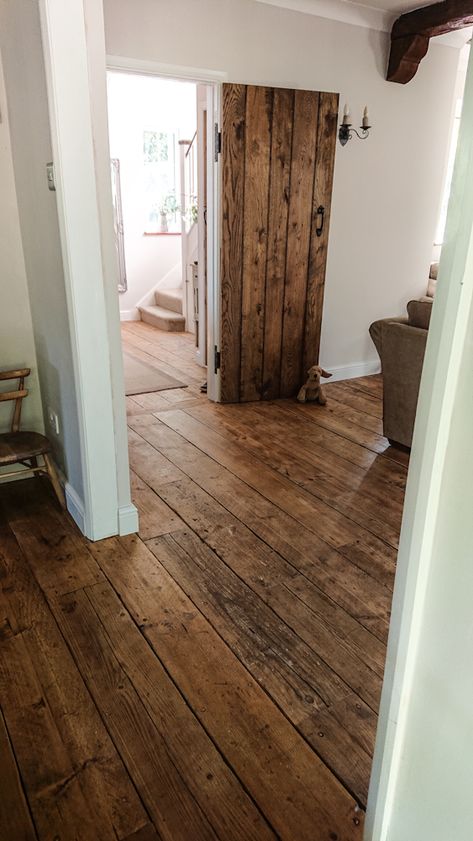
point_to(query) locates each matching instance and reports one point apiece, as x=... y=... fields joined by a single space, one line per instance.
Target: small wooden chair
x=25 y=447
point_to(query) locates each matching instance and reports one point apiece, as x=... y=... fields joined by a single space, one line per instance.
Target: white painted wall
x=17 y=348
x=135 y=104
x=386 y=190
x=423 y=766
x=20 y=43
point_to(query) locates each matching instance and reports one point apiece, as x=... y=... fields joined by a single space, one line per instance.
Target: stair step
x=163 y=318
x=169 y=299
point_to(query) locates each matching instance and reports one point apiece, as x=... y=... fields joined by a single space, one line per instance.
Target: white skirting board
x=350 y=372
x=130 y=315
x=75 y=506
x=127 y=521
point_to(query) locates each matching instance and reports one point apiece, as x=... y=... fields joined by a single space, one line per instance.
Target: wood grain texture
x=168 y=800
x=323 y=180
x=213 y=784
x=259 y=108
x=304 y=148
x=281 y=150
x=254 y=736
x=297 y=682
x=15 y=817
x=221 y=680
x=75 y=756
x=277 y=168
x=412 y=31
x=231 y=250
x=405 y=56
x=313 y=512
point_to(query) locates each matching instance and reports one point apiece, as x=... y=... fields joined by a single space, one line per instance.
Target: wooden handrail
x=191 y=143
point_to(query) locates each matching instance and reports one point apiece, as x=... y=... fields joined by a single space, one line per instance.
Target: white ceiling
x=374 y=14
x=396 y=7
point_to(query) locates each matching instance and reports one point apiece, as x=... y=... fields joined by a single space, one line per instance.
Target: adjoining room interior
x=203 y=658
x=158 y=148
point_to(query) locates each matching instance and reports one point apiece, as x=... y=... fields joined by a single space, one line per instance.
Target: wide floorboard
x=218 y=675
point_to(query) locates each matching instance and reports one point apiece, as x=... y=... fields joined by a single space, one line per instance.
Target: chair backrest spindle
x=18 y=403
x=18 y=395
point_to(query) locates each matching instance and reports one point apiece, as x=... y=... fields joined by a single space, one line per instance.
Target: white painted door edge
x=214 y=192
x=445 y=345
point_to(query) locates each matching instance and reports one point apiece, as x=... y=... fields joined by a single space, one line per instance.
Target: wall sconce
x=346 y=130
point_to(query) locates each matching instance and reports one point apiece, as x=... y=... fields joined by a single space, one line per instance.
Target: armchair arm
x=376 y=331
x=402 y=357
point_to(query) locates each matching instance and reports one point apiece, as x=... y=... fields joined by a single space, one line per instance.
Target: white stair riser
x=169 y=299
x=158 y=317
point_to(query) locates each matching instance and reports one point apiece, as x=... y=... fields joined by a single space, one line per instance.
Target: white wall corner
x=75 y=506
x=128 y=520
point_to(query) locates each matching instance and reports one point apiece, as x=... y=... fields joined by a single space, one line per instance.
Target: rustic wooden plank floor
x=217 y=676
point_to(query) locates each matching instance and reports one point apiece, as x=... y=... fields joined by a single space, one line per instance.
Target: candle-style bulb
x=346 y=116
x=365 y=123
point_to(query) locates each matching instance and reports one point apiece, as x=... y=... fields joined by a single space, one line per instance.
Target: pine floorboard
x=218 y=675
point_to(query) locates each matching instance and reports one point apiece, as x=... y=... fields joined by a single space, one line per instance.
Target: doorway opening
x=164 y=216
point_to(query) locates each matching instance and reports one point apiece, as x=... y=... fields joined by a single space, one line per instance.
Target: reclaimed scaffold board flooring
x=218 y=675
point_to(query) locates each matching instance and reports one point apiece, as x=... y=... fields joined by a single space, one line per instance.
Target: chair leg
x=52 y=473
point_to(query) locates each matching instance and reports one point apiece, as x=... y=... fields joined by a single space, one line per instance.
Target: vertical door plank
x=324 y=166
x=233 y=176
x=306 y=106
x=259 y=106
x=274 y=178
x=281 y=142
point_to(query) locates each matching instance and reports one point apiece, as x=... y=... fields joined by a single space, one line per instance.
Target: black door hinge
x=216 y=359
x=217 y=142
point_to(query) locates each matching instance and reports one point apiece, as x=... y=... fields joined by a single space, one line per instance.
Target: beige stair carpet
x=141 y=378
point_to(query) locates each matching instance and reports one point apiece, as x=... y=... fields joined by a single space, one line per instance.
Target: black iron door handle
x=320 y=218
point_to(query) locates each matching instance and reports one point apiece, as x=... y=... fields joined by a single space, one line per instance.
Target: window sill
x=161 y=233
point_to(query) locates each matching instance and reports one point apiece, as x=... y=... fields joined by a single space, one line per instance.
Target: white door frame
x=447 y=340
x=202 y=129
x=213 y=79
x=74 y=47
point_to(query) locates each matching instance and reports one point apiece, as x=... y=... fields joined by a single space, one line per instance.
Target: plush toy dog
x=312 y=391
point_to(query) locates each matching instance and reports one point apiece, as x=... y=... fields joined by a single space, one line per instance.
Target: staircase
x=166 y=312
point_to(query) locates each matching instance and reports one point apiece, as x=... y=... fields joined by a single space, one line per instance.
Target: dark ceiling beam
x=412 y=32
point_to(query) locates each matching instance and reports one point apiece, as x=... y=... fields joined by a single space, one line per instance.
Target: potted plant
x=167 y=207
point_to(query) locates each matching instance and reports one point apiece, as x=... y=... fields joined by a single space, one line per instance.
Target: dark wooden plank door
x=278 y=149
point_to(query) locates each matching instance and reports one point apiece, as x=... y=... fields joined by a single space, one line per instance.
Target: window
x=161 y=182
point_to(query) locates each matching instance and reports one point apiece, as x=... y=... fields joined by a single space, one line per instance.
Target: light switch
x=50 y=174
